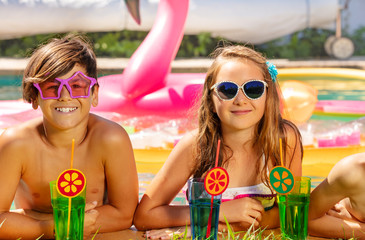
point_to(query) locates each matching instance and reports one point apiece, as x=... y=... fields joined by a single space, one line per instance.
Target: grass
x=95 y=233
x=250 y=234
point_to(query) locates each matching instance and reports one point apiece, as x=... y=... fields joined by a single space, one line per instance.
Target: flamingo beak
x=133 y=8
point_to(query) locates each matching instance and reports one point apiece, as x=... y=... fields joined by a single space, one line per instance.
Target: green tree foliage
x=308 y=43
x=359 y=40
x=305 y=44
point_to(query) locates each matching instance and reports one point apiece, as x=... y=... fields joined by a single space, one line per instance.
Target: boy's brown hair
x=56 y=58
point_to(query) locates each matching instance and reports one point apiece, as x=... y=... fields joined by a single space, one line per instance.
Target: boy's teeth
x=66 y=109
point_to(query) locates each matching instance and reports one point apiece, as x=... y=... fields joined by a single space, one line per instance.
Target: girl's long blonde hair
x=267 y=132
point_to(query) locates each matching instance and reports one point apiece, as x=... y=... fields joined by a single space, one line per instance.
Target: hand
x=168 y=233
x=245 y=211
x=340 y=211
x=91 y=214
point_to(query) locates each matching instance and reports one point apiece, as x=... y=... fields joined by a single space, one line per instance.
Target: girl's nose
x=65 y=94
x=241 y=97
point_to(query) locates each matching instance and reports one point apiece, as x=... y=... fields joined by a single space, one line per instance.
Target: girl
x=239 y=106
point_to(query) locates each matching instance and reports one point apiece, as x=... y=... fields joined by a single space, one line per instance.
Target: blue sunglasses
x=227 y=90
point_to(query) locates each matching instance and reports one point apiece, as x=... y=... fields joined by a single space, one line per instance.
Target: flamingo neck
x=150 y=64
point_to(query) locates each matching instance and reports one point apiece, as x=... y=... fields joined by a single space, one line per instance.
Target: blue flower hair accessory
x=272 y=70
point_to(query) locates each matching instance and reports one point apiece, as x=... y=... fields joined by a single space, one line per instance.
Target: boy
x=60 y=79
x=337 y=205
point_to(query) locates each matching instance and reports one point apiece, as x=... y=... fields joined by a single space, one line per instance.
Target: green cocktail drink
x=199 y=216
x=75 y=229
x=293 y=210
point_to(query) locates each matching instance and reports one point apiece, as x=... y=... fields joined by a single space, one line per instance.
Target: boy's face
x=66 y=112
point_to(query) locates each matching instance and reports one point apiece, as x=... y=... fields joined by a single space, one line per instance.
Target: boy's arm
x=333 y=227
x=121 y=179
x=323 y=198
x=344 y=180
x=15 y=225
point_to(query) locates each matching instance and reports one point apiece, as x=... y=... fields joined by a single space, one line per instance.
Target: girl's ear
x=95 y=96
x=34 y=104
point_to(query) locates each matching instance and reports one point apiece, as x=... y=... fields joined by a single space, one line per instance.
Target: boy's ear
x=34 y=104
x=95 y=96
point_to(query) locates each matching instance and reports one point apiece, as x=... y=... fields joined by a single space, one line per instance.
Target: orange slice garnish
x=216 y=181
x=71 y=183
x=281 y=180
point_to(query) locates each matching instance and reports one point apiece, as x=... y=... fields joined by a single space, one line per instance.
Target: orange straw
x=211 y=202
x=72 y=153
x=69 y=199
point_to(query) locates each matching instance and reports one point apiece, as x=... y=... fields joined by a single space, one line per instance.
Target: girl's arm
x=265 y=220
x=270 y=218
x=154 y=210
x=243 y=212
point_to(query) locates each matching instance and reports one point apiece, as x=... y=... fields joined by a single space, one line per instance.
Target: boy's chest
x=46 y=166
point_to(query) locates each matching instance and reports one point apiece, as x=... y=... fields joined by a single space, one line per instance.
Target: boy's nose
x=65 y=94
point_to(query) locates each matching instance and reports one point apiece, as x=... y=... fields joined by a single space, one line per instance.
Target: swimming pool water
x=10 y=87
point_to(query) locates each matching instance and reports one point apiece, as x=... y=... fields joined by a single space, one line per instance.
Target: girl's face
x=66 y=112
x=241 y=112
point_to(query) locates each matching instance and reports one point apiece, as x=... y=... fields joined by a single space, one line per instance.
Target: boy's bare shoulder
x=349 y=171
x=103 y=129
x=22 y=133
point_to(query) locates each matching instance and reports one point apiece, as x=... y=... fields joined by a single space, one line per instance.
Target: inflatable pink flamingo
x=146 y=86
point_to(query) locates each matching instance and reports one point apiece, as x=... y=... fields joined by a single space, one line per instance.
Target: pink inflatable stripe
x=340 y=106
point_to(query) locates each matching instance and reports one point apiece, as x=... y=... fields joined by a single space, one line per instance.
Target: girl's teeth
x=66 y=109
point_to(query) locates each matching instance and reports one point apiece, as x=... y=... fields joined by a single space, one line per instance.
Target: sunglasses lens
x=49 y=88
x=227 y=90
x=254 y=89
x=79 y=86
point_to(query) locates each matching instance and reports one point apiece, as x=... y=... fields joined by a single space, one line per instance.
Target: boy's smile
x=66 y=110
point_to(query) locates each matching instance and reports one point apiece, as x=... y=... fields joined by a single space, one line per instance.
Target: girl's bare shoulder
x=292 y=134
